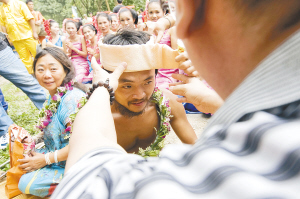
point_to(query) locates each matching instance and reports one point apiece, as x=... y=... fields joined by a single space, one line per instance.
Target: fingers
x=160 y=34
x=182 y=57
x=182 y=100
x=175 y=84
x=32 y=152
x=181 y=77
x=185 y=65
x=24 y=166
x=95 y=65
x=25 y=160
x=119 y=70
x=178 y=90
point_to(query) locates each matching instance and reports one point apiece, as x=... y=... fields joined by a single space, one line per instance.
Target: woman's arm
x=82 y=53
x=38 y=161
x=65 y=48
x=174 y=38
x=44 y=44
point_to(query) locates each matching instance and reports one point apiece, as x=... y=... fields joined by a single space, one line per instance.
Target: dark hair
x=28 y=1
x=77 y=24
x=163 y=5
x=132 y=12
x=91 y=27
x=62 y=58
x=127 y=37
x=103 y=14
x=51 y=21
x=141 y=10
x=120 y=1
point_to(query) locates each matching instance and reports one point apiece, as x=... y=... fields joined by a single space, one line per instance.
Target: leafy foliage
x=61 y=9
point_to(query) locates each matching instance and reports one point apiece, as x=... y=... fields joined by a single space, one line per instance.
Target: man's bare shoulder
x=174 y=105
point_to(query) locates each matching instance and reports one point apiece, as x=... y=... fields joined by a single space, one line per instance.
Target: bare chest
x=137 y=132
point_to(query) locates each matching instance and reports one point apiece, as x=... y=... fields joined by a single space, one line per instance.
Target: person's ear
x=189 y=15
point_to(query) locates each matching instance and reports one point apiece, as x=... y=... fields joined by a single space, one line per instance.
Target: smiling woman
x=45 y=168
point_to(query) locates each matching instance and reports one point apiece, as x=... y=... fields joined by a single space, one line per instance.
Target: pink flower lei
x=48 y=110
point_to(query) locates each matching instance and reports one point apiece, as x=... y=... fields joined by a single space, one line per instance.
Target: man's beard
x=128 y=113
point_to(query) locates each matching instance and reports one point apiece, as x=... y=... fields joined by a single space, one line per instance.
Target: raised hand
x=194 y=91
x=101 y=75
x=186 y=65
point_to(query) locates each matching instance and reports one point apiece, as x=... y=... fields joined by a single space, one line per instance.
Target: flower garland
x=47 y=29
x=48 y=110
x=164 y=112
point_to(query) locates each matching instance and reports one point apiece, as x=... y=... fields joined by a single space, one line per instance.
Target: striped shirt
x=250 y=149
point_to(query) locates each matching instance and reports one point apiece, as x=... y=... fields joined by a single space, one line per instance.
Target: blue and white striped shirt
x=250 y=149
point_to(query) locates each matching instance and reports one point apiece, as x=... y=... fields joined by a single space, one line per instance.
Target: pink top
x=77 y=45
x=164 y=76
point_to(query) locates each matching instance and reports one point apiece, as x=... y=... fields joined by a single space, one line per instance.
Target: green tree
x=61 y=9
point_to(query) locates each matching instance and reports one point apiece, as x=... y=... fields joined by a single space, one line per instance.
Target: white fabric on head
x=138 y=57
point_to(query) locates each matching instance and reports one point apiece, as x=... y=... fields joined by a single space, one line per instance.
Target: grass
x=22 y=112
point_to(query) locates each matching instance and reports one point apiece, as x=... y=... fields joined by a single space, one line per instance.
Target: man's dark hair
x=28 y=1
x=141 y=10
x=127 y=37
x=120 y=1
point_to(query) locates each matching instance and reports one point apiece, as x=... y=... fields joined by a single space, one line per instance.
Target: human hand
x=186 y=65
x=101 y=75
x=38 y=23
x=194 y=91
x=156 y=28
x=90 y=51
x=70 y=45
x=35 y=35
x=33 y=163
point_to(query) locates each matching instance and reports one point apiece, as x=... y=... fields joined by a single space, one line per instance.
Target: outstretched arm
x=94 y=125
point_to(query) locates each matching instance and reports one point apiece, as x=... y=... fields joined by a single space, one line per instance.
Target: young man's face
x=134 y=91
x=30 y=6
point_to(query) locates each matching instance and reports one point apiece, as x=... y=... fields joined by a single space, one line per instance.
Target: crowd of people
x=119 y=81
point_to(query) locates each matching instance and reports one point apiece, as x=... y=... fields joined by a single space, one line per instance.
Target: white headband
x=138 y=57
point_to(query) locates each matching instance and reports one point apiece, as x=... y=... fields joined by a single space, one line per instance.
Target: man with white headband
x=248 y=51
x=137 y=111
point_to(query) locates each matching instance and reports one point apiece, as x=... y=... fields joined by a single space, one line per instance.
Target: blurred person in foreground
x=19 y=24
x=248 y=51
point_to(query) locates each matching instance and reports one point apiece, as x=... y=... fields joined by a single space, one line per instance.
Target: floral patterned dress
x=43 y=182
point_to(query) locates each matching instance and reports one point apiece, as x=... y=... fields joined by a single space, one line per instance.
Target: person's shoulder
x=171 y=98
x=73 y=95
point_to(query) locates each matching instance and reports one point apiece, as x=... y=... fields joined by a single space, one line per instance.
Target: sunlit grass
x=22 y=112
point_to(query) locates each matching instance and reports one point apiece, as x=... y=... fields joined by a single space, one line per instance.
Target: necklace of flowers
x=164 y=112
x=49 y=109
